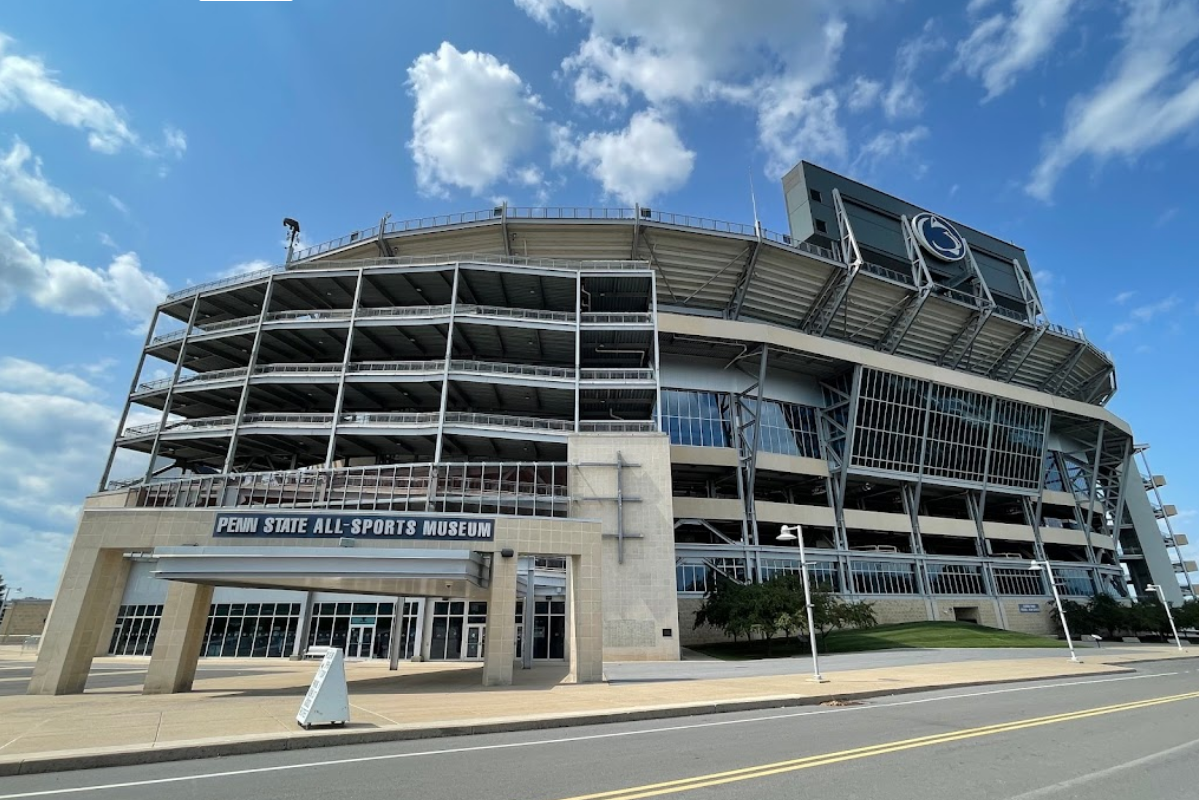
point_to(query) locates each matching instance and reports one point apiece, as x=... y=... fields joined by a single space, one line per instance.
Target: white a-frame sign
x=327 y=701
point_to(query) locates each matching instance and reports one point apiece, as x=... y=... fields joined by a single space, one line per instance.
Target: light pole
x=1057 y=600
x=786 y=534
x=1153 y=587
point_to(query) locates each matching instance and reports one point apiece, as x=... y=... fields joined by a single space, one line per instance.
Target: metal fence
x=519 y=488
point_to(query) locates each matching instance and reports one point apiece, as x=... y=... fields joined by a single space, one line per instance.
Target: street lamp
x=1153 y=587
x=786 y=534
x=1057 y=600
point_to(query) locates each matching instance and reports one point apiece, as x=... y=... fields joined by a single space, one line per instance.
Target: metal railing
x=888 y=273
x=1015 y=316
x=606 y=318
x=426 y=366
x=640 y=374
x=617 y=426
x=518 y=488
x=245 y=277
x=1069 y=333
x=366 y=419
x=516 y=313
x=406 y=311
x=305 y=315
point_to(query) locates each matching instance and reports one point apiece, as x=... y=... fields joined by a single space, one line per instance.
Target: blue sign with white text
x=352 y=526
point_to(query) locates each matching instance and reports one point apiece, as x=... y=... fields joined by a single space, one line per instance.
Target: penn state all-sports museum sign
x=352 y=526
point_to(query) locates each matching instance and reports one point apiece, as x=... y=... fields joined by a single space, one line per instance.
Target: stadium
x=521 y=434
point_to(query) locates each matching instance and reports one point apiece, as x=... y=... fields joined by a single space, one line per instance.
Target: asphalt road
x=1101 y=739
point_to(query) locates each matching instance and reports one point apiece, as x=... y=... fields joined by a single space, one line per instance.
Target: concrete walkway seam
x=336 y=737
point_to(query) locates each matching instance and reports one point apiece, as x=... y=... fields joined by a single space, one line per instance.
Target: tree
x=1107 y=616
x=726 y=608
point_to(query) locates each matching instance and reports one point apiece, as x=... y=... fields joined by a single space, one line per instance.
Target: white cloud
x=1003 y=45
x=27 y=82
x=638 y=163
x=903 y=97
x=1123 y=297
x=78 y=291
x=1144 y=314
x=246 y=267
x=1151 y=96
x=1166 y=217
x=174 y=141
x=73 y=289
x=540 y=10
x=863 y=94
x=108 y=241
x=19 y=375
x=890 y=146
x=773 y=56
x=18 y=182
x=473 y=121
x=48 y=411
x=118 y=204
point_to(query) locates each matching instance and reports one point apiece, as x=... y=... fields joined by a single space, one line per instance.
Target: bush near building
x=775 y=608
x=1111 y=619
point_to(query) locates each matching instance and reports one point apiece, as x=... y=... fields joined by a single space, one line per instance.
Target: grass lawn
x=885 y=637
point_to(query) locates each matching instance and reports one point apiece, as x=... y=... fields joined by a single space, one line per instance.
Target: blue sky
x=148 y=146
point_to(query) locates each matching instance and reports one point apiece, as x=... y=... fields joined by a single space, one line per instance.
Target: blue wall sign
x=351 y=526
x=938 y=237
x=1030 y=608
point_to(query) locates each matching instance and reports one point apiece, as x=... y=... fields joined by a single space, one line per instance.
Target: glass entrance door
x=361 y=639
x=476 y=636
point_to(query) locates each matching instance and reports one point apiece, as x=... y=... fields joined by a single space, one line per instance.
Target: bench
x=317 y=651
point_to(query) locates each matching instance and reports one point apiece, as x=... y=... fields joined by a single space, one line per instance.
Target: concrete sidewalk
x=244 y=706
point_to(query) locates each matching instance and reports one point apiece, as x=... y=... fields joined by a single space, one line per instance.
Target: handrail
x=525 y=488
x=616 y=374
x=617 y=426
x=888 y=273
x=615 y=318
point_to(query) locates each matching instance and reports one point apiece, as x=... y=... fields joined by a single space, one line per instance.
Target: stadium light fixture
x=786 y=534
x=1157 y=589
x=1057 y=601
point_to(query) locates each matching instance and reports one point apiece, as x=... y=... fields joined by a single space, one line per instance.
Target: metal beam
x=169 y=400
x=1063 y=369
x=1016 y=354
x=922 y=279
x=733 y=309
x=504 y=228
x=836 y=289
x=137 y=373
x=251 y=364
x=382 y=243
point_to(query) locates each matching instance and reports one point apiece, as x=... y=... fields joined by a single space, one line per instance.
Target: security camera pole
x=1153 y=587
x=1057 y=601
x=786 y=534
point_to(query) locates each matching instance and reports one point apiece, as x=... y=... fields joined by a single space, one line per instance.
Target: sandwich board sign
x=327 y=701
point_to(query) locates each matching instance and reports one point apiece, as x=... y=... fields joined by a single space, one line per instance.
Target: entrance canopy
x=386 y=571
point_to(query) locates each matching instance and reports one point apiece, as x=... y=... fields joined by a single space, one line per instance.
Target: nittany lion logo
x=938 y=237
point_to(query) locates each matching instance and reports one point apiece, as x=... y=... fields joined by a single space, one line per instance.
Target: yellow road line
x=792 y=765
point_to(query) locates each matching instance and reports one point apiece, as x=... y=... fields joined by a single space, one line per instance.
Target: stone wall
x=641 y=616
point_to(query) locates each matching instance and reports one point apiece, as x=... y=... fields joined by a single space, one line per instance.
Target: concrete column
x=586 y=643
x=110 y=619
x=304 y=629
x=501 y=622
x=90 y=580
x=180 y=637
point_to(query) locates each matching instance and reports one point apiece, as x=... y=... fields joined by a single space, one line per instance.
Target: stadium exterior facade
x=549 y=430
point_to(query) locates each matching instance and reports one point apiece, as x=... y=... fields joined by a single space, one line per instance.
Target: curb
x=35 y=764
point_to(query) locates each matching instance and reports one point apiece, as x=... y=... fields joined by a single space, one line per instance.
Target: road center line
x=808 y=762
x=573 y=739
